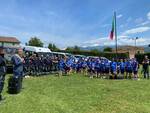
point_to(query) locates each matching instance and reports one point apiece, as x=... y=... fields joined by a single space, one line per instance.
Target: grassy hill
x=78 y=94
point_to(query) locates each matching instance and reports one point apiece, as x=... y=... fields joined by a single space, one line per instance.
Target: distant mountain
x=101 y=48
x=146 y=49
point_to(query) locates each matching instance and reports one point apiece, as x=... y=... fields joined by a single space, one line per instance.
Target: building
x=10 y=45
x=9 y=42
x=132 y=50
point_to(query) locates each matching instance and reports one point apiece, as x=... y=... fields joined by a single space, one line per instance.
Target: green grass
x=78 y=94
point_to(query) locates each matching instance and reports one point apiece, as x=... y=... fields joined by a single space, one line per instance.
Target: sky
x=76 y=22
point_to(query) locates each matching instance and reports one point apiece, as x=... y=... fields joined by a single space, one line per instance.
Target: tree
x=107 y=49
x=69 y=49
x=50 y=46
x=95 y=51
x=34 y=41
x=53 y=47
x=76 y=48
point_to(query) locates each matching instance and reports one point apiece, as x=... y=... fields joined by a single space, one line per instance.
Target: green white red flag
x=113 y=29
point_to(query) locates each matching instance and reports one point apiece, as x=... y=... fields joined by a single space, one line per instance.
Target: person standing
x=2 y=72
x=17 y=61
x=146 y=67
x=135 y=68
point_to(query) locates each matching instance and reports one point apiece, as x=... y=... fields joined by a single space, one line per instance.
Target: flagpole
x=116 y=40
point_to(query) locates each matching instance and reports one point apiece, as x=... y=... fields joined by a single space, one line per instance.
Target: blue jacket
x=17 y=64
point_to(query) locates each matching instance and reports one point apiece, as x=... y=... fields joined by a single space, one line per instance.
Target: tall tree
x=34 y=41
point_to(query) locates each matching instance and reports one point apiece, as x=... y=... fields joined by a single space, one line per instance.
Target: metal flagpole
x=116 y=40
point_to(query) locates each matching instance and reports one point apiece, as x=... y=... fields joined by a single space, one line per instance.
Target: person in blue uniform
x=26 y=64
x=61 y=66
x=2 y=72
x=129 y=69
x=92 y=68
x=79 y=66
x=107 y=68
x=135 y=68
x=103 y=67
x=97 y=67
x=113 y=67
x=68 y=64
x=122 y=67
x=84 y=67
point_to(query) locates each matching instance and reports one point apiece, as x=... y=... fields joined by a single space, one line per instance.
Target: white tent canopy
x=37 y=49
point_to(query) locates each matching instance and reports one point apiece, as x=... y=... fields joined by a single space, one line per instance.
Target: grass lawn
x=78 y=94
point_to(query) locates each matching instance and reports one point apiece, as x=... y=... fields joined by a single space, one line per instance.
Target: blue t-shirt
x=129 y=66
x=113 y=66
x=122 y=65
x=135 y=66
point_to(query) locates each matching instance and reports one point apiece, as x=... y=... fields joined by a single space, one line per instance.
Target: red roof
x=9 y=39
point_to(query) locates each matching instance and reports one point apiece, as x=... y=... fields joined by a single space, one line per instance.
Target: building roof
x=9 y=39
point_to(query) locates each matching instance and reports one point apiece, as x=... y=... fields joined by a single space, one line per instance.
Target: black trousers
x=146 y=72
x=2 y=80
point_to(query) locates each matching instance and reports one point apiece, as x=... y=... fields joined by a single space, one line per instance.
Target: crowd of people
x=100 y=67
x=34 y=64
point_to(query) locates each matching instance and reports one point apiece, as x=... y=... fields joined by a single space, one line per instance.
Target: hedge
x=100 y=54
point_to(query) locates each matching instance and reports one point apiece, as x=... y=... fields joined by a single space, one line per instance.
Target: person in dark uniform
x=17 y=62
x=26 y=64
x=146 y=67
x=2 y=72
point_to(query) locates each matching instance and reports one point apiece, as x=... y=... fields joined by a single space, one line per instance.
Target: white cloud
x=148 y=15
x=122 y=40
x=136 y=30
x=119 y=16
x=144 y=23
x=138 y=20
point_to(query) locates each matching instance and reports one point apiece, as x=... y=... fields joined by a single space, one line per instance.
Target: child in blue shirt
x=129 y=69
x=122 y=67
x=135 y=68
x=114 y=69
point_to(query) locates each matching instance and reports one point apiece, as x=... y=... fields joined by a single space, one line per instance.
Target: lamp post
x=135 y=43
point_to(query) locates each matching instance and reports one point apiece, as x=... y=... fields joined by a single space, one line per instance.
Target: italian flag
x=113 y=29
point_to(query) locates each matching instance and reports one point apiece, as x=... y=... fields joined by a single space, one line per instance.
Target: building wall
x=5 y=44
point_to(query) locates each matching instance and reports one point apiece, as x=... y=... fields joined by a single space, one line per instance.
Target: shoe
x=1 y=98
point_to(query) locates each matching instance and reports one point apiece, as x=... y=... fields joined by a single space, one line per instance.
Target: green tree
x=53 y=47
x=69 y=49
x=107 y=49
x=34 y=41
x=95 y=51
x=76 y=48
